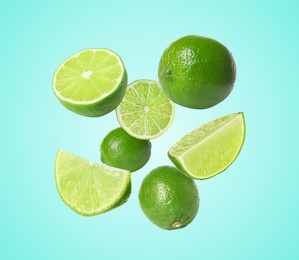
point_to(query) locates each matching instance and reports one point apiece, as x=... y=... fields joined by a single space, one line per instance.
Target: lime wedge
x=210 y=149
x=145 y=111
x=90 y=188
x=91 y=82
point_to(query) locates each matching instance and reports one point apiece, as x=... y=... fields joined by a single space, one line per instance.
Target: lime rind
x=70 y=193
x=184 y=159
x=131 y=113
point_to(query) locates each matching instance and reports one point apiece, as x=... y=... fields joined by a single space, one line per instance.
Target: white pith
x=86 y=74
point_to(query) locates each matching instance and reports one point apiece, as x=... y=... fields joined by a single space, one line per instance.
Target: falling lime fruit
x=119 y=149
x=210 y=149
x=90 y=188
x=145 y=111
x=169 y=198
x=197 y=72
x=91 y=82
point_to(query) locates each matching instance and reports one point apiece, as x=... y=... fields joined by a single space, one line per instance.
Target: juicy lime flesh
x=88 y=75
x=197 y=72
x=210 y=149
x=119 y=149
x=168 y=198
x=145 y=112
x=89 y=188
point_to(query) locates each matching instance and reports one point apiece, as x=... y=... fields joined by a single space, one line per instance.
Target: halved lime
x=145 y=111
x=90 y=188
x=91 y=82
x=210 y=149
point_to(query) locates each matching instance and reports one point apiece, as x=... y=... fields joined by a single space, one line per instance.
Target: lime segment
x=91 y=82
x=145 y=111
x=90 y=188
x=210 y=149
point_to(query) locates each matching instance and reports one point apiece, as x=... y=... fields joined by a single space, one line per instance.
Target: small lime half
x=145 y=111
x=210 y=149
x=91 y=82
x=90 y=188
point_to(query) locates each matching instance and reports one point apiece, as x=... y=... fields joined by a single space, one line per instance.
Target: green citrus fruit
x=91 y=82
x=168 y=198
x=145 y=111
x=210 y=149
x=119 y=149
x=197 y=72
x=90 y=188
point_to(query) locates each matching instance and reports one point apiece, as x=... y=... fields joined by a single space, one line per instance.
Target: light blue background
x=248 y=212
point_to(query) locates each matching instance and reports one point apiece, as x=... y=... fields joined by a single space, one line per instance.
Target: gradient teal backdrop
x=248 y=212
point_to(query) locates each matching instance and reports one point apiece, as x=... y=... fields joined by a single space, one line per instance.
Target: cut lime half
x=145 y=111
x=210 y=149
x=91 y=82
x=90 y=188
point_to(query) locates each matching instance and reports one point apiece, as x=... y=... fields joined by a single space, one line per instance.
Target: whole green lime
x=119 y=149
x=168 y=198
x=197 y=72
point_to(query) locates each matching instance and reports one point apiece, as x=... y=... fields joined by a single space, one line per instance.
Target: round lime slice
x=91 y=82
x=145 y=111
x=210 y=149
x=90 y=188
